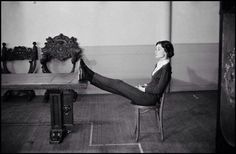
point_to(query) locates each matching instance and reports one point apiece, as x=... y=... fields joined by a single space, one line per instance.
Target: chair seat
x=147 y=107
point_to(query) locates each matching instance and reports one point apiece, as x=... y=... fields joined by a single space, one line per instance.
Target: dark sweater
x=159 y=80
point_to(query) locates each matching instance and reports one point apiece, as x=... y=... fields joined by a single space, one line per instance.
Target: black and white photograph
x=118 y=76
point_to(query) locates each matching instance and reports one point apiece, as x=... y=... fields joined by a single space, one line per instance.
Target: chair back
x=19 y=53
x=162 y=99
x=60 y=47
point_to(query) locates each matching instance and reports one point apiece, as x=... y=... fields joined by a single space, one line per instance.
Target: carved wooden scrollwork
x=60 y=47
x=19 y=53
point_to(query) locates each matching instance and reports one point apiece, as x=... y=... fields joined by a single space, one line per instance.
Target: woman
x=146 y=95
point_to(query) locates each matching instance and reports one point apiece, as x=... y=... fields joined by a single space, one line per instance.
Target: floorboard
x=104 y=123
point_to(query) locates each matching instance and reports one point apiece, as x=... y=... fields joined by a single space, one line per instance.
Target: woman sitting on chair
x=147 y=94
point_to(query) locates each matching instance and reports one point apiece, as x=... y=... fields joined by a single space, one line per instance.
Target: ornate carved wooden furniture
x=62 y=48
x=19 y=53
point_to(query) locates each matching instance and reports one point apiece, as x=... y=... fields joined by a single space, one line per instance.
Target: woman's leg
x=119 y=87
x=122 y=88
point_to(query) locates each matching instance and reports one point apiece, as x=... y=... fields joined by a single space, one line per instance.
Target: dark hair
x=168 y=47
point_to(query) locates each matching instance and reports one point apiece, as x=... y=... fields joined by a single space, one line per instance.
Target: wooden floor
x=105 y=124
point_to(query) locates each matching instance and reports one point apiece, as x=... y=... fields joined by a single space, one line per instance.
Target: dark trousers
x=122 y=88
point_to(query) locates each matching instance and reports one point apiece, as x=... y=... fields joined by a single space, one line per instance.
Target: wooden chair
x=19 y=53
x=158 y=109
x=61 y=48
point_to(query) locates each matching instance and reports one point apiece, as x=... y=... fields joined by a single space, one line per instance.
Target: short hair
x=168 y=47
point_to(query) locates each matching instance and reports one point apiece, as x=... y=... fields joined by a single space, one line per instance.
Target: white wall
x=195 y=22
x=195 y=34
x=92 y=23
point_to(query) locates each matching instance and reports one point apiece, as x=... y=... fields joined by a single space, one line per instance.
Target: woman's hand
x=140 y=87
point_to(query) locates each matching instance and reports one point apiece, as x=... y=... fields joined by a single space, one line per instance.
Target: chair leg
x=157 y=120
x=135 y=129
x=138 y=125
x=161 y=126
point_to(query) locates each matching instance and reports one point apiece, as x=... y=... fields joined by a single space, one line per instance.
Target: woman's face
x=160 y=52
